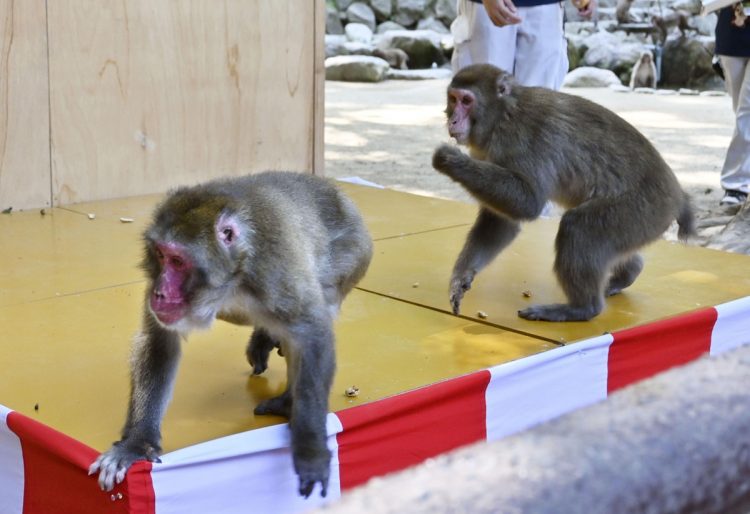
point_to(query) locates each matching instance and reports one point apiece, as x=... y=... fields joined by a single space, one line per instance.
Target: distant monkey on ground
x=644 y=71
x=678 y=18
x=395 y=57
x=278 y=249
x=525 y=148
x=622 y=11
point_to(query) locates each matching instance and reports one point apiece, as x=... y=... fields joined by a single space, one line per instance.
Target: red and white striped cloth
x=43 y=471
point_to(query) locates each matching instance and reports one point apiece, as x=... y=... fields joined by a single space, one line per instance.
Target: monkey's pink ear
x=227 y=229
x=504 y=84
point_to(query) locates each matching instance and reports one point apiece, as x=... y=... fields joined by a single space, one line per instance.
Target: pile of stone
x=372 y=40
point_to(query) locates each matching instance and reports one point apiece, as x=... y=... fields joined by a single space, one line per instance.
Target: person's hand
x=588 y=9
x=501 y=12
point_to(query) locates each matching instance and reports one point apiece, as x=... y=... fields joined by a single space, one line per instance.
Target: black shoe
x=733 y=197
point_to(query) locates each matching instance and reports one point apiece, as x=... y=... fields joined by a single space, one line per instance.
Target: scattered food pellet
x=7 y=211
x=36 y=407
x=352 y=391
x=415 y=284
x=91 y=215
x=127 y=220
x=526 y=294
x=43 y=212
x=482 y=314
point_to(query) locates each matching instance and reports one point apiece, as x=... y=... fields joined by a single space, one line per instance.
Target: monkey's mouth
x=168 y=311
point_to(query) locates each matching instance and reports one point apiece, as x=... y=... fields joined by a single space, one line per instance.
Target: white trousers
x=735 y=174
x=534 y=51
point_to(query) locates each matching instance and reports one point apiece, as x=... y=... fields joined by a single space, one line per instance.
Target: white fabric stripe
x=11 y=468
x=247 y=472
x=538 y=388
x=732 y=328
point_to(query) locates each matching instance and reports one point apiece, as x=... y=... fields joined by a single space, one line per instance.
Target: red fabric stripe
x=404 y=430
x=642 y=352
x=56 y=475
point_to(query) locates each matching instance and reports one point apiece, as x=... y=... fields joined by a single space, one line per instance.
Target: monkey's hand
x=311 y=470
x=459 y=285
x=113 y=464
x=448 y=159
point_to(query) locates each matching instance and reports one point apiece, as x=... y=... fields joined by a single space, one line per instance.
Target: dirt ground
x=386 y=133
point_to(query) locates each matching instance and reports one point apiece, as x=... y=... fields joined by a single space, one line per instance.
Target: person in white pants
x=733 y=49
x=525 y=38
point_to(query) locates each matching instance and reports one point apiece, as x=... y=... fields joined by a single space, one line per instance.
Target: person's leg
x=735 y=174
x=541 y=49
x=478 y=41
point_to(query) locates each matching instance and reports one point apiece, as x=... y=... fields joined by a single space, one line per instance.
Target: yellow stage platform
x=71 y=296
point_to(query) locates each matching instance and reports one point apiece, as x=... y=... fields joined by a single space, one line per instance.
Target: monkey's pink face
x=460 y=104
x=167 y=300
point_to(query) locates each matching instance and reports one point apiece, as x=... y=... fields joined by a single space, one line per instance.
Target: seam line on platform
x=467 y=318
x=421 y=232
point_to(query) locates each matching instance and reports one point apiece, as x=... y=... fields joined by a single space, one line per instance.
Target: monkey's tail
x=685 y=219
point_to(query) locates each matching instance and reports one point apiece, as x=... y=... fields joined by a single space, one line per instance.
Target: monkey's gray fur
x=395 y=57
x=278 y=249
x=529 y=145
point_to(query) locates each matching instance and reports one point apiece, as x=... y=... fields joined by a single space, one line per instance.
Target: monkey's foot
x=258 y=350
x=113 y=464
x=459 y=286
x=280 y=406
x=312 y=471
x=558 y=312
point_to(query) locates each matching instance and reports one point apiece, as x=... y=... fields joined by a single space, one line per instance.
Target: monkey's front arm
x=500 y=189
x=156 y=353
x=309 y=352
x=490 y=234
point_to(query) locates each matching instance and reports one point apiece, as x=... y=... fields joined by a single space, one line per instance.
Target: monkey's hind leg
x=581 y=263
x=624 y=274
x=259 y=348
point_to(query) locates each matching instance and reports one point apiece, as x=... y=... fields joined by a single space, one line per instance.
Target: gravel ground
x=386 y=133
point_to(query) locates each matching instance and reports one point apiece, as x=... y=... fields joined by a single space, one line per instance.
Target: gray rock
x=382 y=9
x=356 y=68
x=357 y=48
x=358 y=33
x=613 y=52
x=736 y=236
x=445 y=10
x=408 y=12
x=333 y=21
x=388 y=26
x=432 y=24
x=335 y=45
x=691 y=6
x=428 y=74
x=422 y=46
x=686 y=62
x=704 y=24
x=590 y=77
x=343 y=4
x=360 y=12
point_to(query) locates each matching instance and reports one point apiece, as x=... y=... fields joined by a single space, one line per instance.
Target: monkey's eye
x=466 y=100
x=228 y=234
x=177 y=262
x=159 y=255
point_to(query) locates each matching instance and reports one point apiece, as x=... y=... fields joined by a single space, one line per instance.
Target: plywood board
x=69 y=363
x=147 y=95
x=24 y=105
x=676 y=279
